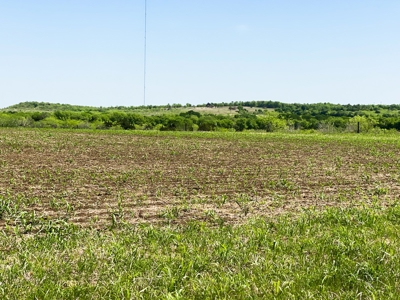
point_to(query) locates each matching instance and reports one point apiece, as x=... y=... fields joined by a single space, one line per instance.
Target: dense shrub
x=272 y=116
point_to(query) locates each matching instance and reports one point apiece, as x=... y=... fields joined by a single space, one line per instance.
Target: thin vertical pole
x=145 y=53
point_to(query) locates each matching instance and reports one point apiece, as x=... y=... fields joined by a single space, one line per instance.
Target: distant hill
x=220 y=108
x=49 y=107
x=288 y=110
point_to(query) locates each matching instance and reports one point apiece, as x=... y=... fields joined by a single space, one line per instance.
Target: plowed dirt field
x=100 y=179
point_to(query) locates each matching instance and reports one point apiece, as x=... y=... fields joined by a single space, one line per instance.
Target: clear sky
x=90 y=52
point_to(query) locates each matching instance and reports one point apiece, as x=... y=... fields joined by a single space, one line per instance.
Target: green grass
x=335 y=254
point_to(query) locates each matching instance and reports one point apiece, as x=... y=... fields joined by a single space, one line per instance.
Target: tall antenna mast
x=145 y=52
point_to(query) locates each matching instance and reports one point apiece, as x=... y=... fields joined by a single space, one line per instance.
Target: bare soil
x=98 y=179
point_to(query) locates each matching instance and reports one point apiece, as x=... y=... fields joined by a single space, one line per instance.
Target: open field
x=198 y=215
x=89 y=179
x=222 y=110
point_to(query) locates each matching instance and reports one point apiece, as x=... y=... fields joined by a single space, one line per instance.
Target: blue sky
x=90 y=52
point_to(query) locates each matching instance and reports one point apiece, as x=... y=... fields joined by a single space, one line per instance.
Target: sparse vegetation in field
x=77 y=175
x=200 y=215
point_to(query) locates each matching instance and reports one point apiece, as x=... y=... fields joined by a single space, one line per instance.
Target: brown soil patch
x=95 y=179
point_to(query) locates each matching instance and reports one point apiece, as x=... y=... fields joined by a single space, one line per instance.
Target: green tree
x=207 y=123
x=271 y=121
x=365 y=123
x=240 y=124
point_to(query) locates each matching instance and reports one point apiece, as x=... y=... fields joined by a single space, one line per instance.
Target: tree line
x=272 y=116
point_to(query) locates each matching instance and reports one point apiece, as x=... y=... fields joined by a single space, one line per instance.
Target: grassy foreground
x=335 y=254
